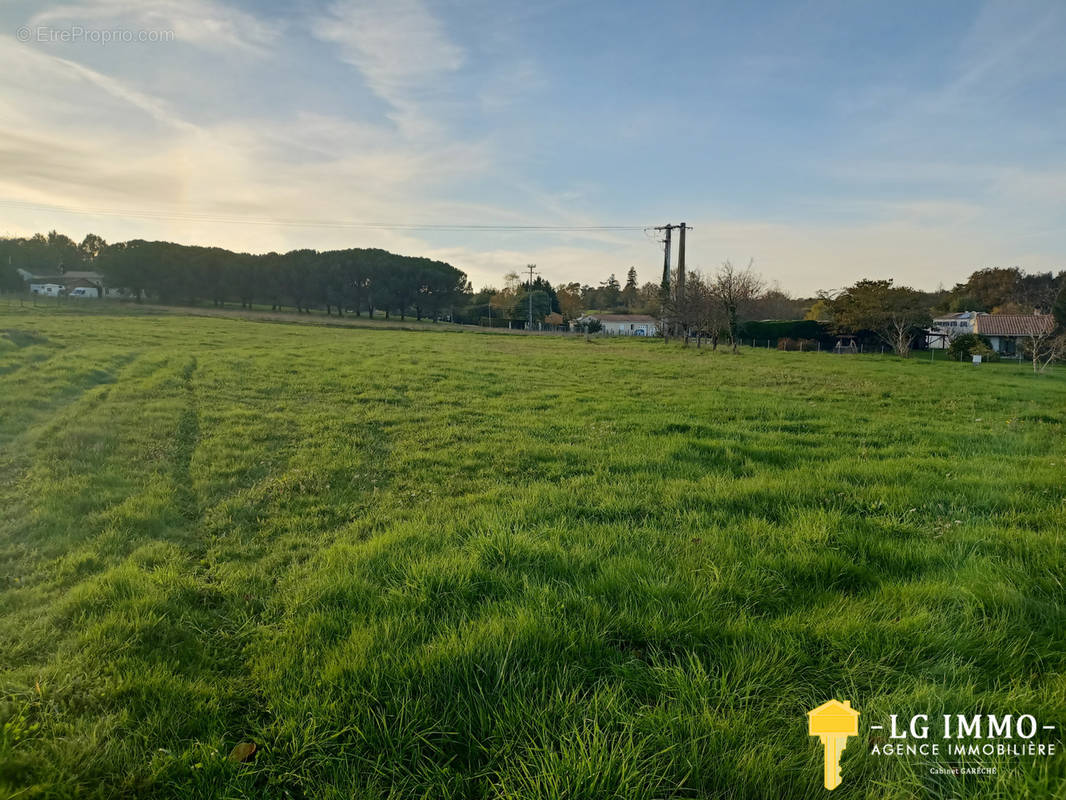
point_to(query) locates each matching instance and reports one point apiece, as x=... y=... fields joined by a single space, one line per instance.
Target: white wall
x=630 y=328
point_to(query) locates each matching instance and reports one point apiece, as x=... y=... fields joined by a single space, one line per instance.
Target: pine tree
x=629 y=293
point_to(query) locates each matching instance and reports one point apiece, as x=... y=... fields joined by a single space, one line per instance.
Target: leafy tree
x=987 y=288
x=10 y=280
x=541 y=304
x=894 y=313
x=819 y=310
x=91 y=247
x=570 y=303
x=1037 y=291
x=1059 y=308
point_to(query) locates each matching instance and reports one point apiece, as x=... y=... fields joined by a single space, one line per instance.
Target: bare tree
x=735 y=290
x=1045 y=347
x=694 y=310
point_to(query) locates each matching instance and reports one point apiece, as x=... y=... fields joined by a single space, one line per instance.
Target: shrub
x=971 y=344
x=985 y=351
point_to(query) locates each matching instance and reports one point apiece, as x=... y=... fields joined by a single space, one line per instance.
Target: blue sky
x=829 y=141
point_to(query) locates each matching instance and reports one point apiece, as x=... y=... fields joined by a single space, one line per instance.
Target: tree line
x=710 y=306
x=339 y=281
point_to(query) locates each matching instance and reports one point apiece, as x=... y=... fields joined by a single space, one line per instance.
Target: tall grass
x=413 y=564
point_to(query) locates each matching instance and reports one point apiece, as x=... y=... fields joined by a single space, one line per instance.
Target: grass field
x=444 y=565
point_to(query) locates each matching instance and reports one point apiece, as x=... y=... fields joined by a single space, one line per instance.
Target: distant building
x=625 y=324
x=69 y=282
x=1007 y=333
x=947 y=327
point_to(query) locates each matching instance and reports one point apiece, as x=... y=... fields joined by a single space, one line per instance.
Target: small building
x=947 y=327
x=1007 y=333
x=47 y=286
x=67 y=282
x=626 y=324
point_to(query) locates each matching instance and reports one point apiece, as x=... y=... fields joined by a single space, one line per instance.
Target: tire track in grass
x=240 y=546
x=86 y=391
x=186 y=438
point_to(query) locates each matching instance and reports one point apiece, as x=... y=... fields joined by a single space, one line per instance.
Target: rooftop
x=1014 y=324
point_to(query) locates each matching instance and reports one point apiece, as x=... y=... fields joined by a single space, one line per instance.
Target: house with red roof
x=1008 y=333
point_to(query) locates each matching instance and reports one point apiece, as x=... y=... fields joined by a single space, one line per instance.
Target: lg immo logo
x=833 y=722
x=951 y=736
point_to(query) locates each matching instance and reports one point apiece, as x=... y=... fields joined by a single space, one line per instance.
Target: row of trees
x=353 y=280
x=1005 y=290
x=375 y=280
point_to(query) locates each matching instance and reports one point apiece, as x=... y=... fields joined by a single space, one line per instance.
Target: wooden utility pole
x=679 y=290
x=531 y=268
x=681 y=261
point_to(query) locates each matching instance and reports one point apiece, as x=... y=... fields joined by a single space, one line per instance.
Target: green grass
x=442 y=565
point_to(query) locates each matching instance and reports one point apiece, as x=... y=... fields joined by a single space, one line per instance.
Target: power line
x=312 y=223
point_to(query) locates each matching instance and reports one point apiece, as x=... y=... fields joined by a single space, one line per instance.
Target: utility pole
x=679 y=292
x=681 y=261
x=531 y=268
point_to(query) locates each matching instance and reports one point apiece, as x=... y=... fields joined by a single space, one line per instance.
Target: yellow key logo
x=833 y=722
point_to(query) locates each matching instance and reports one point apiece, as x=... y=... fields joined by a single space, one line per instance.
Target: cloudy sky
x=827 y=140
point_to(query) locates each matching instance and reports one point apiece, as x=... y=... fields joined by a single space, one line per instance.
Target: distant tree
x=541 y=305
x=1045 y=347
x=1058 y=308
x=543 y=285
x=819 y=311
x=503 y=302
x=570 y=304
x=735 y=290
x=648 y=299
x=10 y=280
x=91 y=247
x=64 y=253
x=987 y=288
x=610 y=292
x=1037 y=291
x=775 y=303
x=630 y=291
x=700 y=310
x=1012 y=308
x=894 y=313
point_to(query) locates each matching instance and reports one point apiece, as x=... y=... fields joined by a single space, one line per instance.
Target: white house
x=947 y=327
x=626 y=324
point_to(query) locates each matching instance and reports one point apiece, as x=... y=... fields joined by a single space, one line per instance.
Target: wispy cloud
x=400 y=48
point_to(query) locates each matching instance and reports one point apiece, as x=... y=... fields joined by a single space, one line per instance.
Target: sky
x=827 y=140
